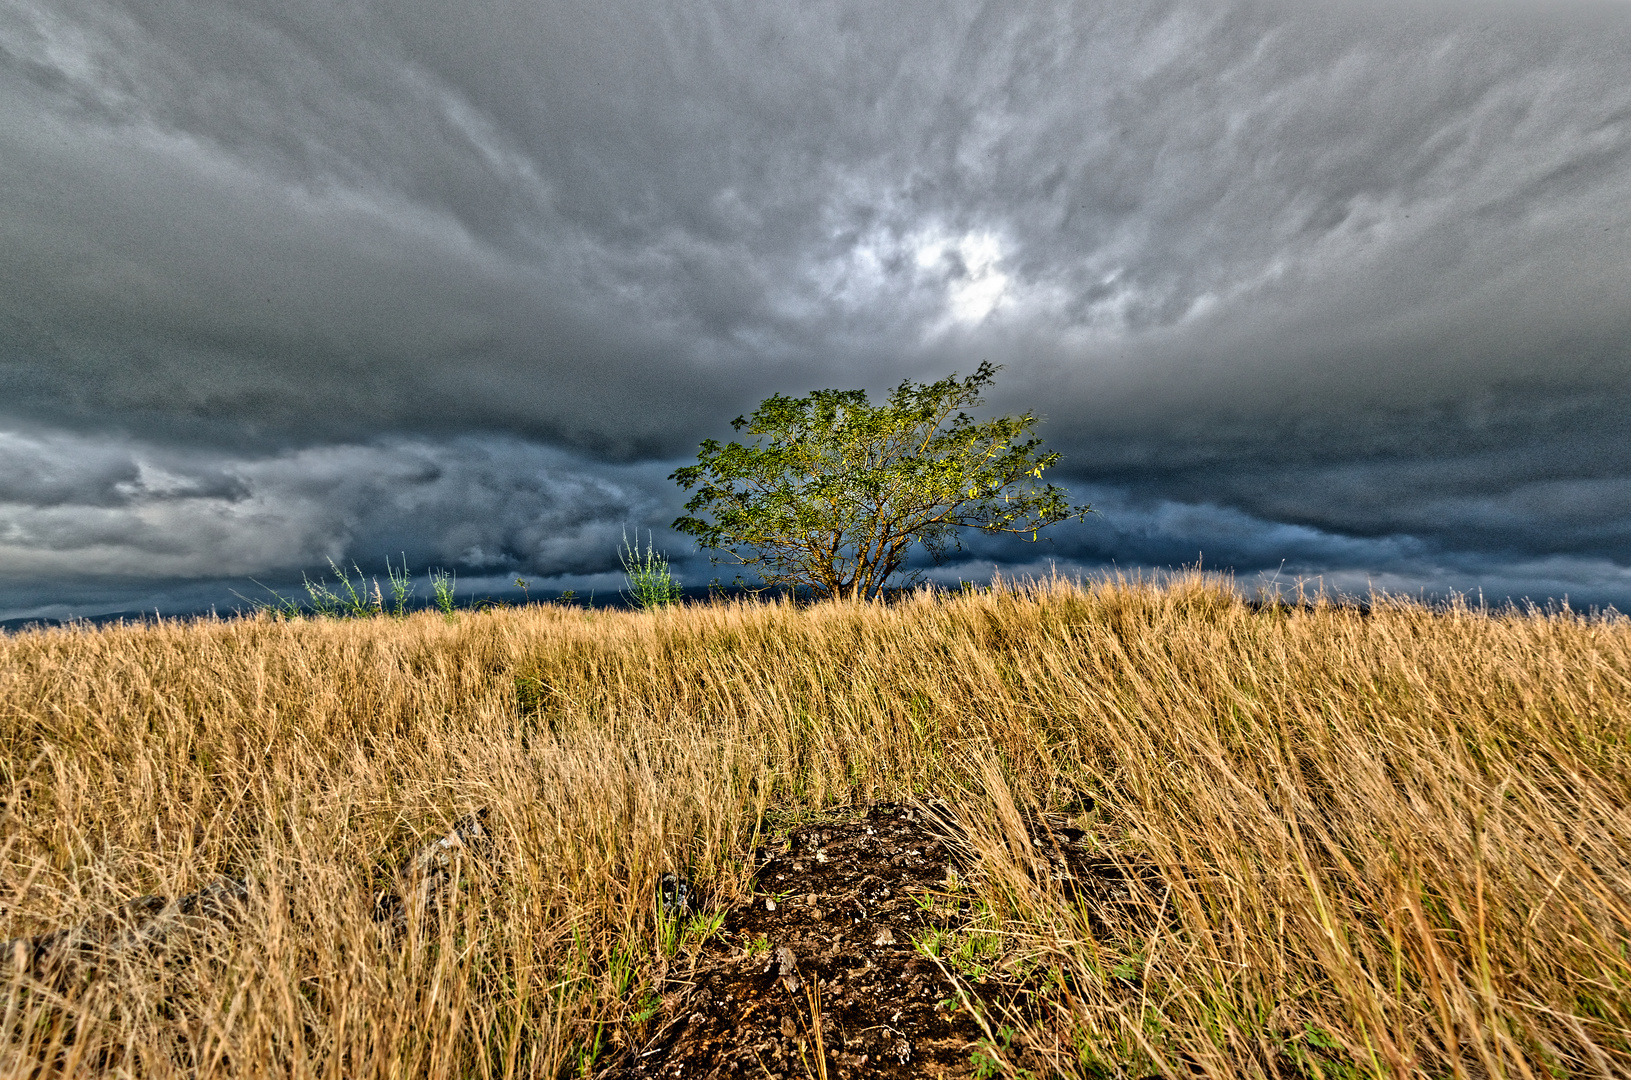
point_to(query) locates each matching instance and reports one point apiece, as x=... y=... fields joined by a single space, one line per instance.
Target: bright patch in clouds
x=950 y=280
x=975 y=285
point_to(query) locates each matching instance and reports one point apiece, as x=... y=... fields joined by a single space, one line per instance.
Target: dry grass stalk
x=1385 y=844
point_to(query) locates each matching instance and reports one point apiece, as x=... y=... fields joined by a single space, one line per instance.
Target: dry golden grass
x=1388 y=845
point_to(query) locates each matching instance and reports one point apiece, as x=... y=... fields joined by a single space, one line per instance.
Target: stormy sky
x=1332 y=291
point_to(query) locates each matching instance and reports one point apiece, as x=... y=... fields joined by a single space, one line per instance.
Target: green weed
x=651 y=585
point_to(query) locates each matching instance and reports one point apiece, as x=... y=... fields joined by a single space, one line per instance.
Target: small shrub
x=401 y=587
x=650 y=583
x=442 y=585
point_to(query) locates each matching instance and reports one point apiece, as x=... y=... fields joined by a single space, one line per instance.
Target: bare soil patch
x=829 y=946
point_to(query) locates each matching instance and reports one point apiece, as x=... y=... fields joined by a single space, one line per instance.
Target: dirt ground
x=826 y=952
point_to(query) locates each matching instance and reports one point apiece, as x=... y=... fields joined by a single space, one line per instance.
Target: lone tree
x=835 y=492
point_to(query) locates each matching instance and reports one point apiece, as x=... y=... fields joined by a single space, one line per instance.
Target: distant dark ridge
x=701 y=594
x=600 y=600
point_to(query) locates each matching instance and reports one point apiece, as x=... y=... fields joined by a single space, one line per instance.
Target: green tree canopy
x=835 y=492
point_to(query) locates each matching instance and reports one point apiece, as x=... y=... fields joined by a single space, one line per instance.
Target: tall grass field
x=1391 y=842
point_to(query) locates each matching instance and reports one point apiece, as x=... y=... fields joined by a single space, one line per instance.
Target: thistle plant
x=442 y=584
x=401 y=587
x=280 y=606
x=346 y=600
x=650 y=583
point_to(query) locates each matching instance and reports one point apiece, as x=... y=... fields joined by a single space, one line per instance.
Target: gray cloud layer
x=1348 y=283
x=93 y=508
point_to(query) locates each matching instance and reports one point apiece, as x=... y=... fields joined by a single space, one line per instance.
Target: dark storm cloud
x=481 y=504
x=1345 y=285
x=1138 y=535
x=1519 y=473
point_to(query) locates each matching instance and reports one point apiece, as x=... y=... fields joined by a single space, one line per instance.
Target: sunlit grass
x=1393 y=843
